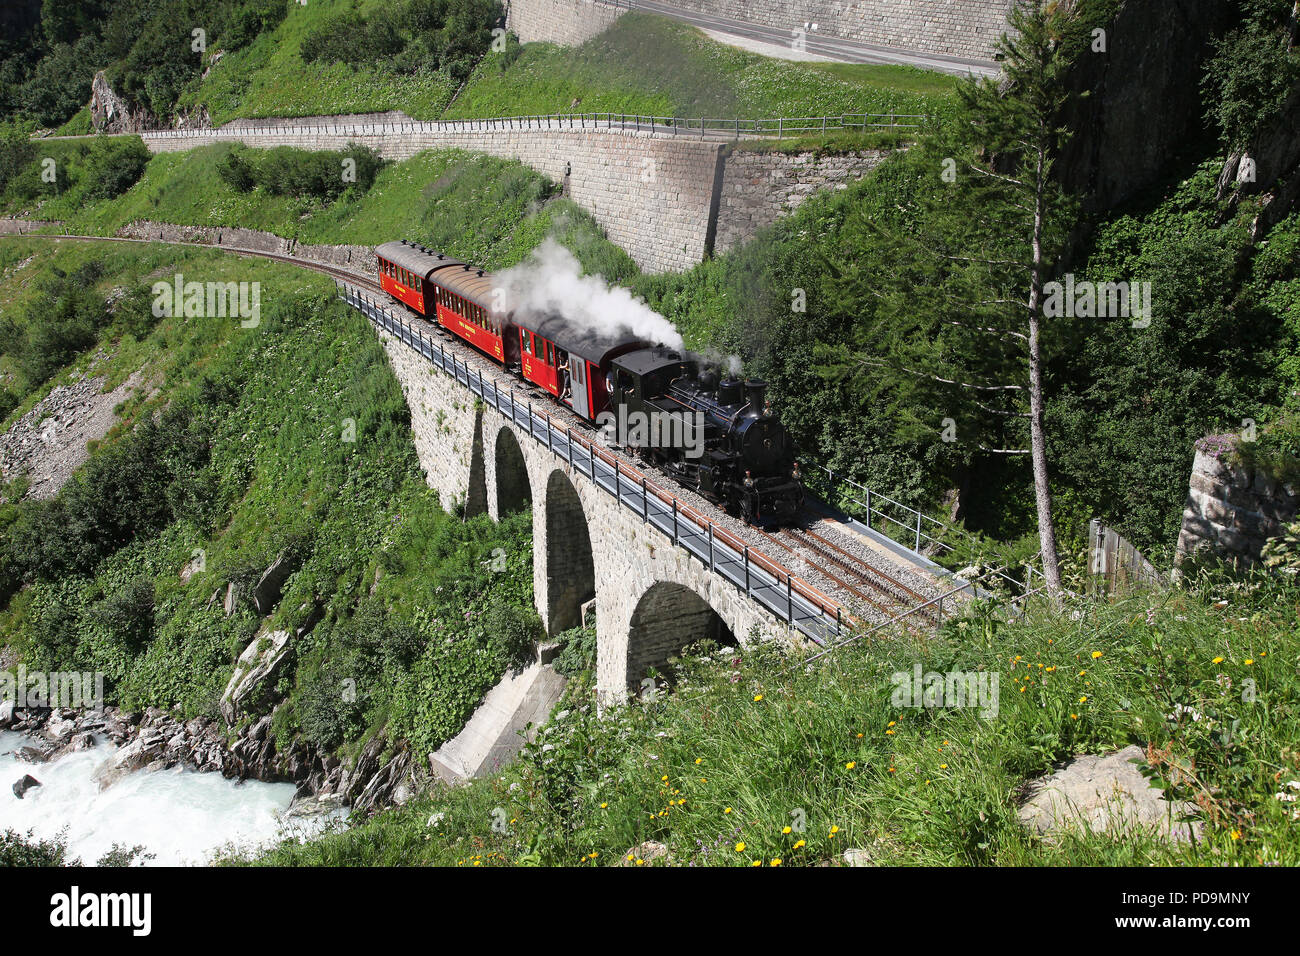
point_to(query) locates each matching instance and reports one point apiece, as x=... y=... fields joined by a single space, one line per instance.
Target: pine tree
x=957 y=327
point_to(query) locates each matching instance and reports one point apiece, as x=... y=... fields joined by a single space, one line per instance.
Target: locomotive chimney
x=730 y=391
x=756 y=394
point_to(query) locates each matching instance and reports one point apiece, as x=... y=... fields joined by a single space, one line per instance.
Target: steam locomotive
x=714 y=435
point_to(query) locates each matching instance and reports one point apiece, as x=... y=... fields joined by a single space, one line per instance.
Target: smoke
x=551 y=280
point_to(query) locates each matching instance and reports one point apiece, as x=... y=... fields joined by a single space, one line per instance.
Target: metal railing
x=703 y=126
x=790 y=599
x=874 y=510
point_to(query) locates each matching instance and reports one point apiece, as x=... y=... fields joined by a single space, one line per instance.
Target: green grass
x=265 y=411
x=750 y=745
x=489 y=211
x=269 y=77
x=651 y=65
x=642 y=64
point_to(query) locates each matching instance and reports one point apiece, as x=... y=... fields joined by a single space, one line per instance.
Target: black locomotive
x=715 y=435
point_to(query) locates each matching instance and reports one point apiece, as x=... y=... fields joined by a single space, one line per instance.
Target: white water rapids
x=181 y=816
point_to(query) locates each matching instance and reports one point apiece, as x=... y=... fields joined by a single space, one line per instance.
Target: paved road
x=834 y=48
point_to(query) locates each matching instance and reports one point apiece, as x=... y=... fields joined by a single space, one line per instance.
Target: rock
x=1104 y=794
x=111 y=114
x=6 y=712
x=646 y=852
x=266 y=593
x=858 y=857
x=259 y=662
x=312 y=617
x=31 y=755
x=232 y=594
x=26 y=783
x=136 y=755
x=314 y=806
x=84 y=741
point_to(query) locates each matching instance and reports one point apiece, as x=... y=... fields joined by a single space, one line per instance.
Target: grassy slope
x=486 y=210
x=272 y=405
x=644 y=64
x=725 y=770
x=269 y=78
x=651 y=65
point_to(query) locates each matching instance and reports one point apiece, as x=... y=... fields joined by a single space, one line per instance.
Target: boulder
x=267 y=591
x=647 y=852
x=23 y=785
x=1105 y=794
x=136 y=755
x=254 y=672
x=232 y=595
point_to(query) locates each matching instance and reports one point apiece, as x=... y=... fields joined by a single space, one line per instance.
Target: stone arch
x=476 y=492
x=514 y=490
x=667 y=618
x=570 y=565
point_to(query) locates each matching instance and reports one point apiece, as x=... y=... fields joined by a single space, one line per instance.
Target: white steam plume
x=551 y=280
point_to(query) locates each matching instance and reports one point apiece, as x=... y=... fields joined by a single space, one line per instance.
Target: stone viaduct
x=651 y=598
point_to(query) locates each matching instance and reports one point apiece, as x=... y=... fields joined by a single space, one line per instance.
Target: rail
x=702 y=126
x=791 y=600
x=865 y=504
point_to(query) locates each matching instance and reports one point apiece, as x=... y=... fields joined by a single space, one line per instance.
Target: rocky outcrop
x=1267 y=172
x=110 y=113
x=267 y=591
x=157 y=740
x=1138 y=101
x=254 y=674
x=50 y=442
x=1105 y=794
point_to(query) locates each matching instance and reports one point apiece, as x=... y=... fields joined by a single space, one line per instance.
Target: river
x=181 y=816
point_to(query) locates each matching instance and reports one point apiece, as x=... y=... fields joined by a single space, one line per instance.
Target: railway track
x=878 y=593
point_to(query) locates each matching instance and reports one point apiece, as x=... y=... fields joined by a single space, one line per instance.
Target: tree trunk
x=1037 y=439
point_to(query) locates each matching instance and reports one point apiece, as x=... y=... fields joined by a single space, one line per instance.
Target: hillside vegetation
x=289 y=438
x=485 y=210
x=655 y=66
x=757 y=761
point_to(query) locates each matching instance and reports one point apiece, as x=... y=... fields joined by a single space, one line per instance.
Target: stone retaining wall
x=1232 y=510
x=354 y=257
x=652 y=194
x=760 y=187
x=566 y=22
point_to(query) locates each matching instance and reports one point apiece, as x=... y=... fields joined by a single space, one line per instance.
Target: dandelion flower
x=728 y=810
x=757 y=698
x=800 y=844
x=740 y=848
x=1096 y=654
x=850 y=765
x=604 y=806
x=786 y=830
x=1217 y=660
x=1083 y=699
x=1249 y=661
x=776 y=861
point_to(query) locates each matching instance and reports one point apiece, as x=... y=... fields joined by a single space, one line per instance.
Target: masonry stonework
x=651 y=599
x=758 y=188
x=566 y=22
x=1232 y=510
x=651 y=193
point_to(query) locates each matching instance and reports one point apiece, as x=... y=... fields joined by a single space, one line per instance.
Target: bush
x=304 y=174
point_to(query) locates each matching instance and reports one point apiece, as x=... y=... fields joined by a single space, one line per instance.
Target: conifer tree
x=957 y=328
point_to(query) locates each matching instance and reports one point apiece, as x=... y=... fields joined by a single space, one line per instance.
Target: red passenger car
x=570 y=362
